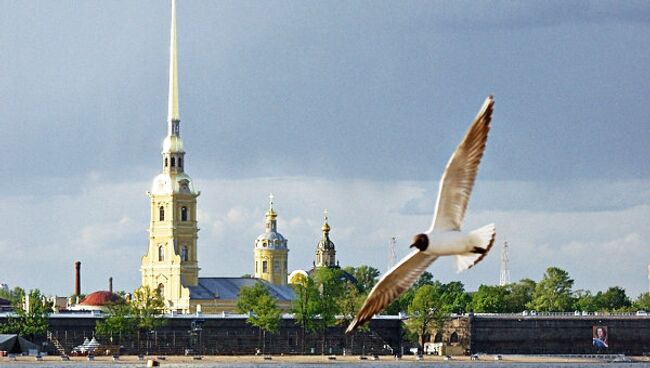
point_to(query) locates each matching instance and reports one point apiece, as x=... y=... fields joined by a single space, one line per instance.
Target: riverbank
x=315 y=359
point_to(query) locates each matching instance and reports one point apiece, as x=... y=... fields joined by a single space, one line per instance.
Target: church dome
x=100 y=299
x=271 y=238
x=168 y=184
x=172 y=144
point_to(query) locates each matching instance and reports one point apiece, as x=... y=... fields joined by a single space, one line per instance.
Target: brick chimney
x=77 y=278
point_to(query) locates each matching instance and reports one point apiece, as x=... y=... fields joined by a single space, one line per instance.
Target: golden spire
x=326 y=226
x=173 y=115
x=271 y=213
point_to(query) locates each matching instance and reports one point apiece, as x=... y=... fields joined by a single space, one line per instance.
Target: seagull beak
x=420 y=241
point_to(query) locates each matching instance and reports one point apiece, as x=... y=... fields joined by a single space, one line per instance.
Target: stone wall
x=518 y=334
x=224 y=334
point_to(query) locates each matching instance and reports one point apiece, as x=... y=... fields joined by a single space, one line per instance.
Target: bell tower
x=325 y=251
x=271 y=251
x=171 y=262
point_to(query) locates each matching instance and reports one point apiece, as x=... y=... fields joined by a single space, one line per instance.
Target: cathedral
x=171 y=263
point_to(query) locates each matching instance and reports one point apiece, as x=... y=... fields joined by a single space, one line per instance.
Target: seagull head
x=420 y=241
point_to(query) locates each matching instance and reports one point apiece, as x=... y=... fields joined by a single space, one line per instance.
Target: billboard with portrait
x=600 y=337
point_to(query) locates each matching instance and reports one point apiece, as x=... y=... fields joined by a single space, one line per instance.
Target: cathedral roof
x=166 y=183
x=274 y=238
x=100 y=299
x=227 y=288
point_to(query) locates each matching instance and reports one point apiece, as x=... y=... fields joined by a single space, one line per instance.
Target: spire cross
x=270 y=201
x=325 y=213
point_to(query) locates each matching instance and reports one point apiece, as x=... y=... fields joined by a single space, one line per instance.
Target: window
x=161 y=253
x=183 y=213
x=161 y=290
x=184 y=253
x=265 y=267
x=180 y=162
x=173 y=161
x=166 y=162
x=161 y=213
x=453 y=338
x=276 y=266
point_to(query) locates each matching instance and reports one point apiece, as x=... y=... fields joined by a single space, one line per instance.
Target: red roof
x=100 y=298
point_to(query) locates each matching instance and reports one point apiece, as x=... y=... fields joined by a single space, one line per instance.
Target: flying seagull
x=444 y=238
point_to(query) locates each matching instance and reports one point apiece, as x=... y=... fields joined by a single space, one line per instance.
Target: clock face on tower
x=184 y=186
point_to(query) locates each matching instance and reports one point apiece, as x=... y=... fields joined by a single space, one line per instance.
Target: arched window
x=437 y=337
x=161 y=290
x=184 y=253
x=166 y=162
x=265 y=267
x=173 y=161
x=183 y=213
x=161 y=253
x=453 y=338
x=161 y=213
x=180 y=162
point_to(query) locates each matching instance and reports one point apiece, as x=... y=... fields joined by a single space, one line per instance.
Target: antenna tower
x=505 y=271
x=392 y=253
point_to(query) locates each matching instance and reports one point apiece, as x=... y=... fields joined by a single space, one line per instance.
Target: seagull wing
x=392 y=285
x=458 y=179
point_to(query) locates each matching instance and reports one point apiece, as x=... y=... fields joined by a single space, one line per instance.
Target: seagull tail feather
x=481 y=241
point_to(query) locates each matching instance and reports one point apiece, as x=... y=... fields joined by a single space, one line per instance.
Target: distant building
x=96 y=301
x=170 y=264
x=325 y=257
x=325 y=250
x=271 y=251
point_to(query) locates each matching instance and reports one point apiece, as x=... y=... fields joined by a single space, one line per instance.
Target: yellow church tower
x=171 y=263
x=271 y=251
x=325 y=250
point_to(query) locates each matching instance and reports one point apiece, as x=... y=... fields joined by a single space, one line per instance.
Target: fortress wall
x=557 y=335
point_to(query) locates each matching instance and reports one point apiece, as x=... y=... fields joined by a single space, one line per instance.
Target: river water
x=328 y=365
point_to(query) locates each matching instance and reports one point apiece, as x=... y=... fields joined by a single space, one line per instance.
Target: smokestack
x=77 y=278
x=110 y=284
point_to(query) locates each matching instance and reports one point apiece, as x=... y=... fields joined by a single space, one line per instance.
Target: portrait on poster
x=600 y=338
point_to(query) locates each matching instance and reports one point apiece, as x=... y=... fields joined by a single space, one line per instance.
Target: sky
x=350 y=106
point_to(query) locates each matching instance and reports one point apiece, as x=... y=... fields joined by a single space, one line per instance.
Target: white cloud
x=105 y=227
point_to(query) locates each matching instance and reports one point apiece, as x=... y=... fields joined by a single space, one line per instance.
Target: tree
x=328 y=283
x=148 y=308
x=553 y=292
x=519 y=295
x=366 y=277
x=490 y=299
x=13 y=295
x=120 y=321
x=454 y=297
x=305 y=306
x=585 y=301
x=642 y=302
x=426 y=311
x=613 y=299
x=262 y=309
x=32 y=310
x=349 y=303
